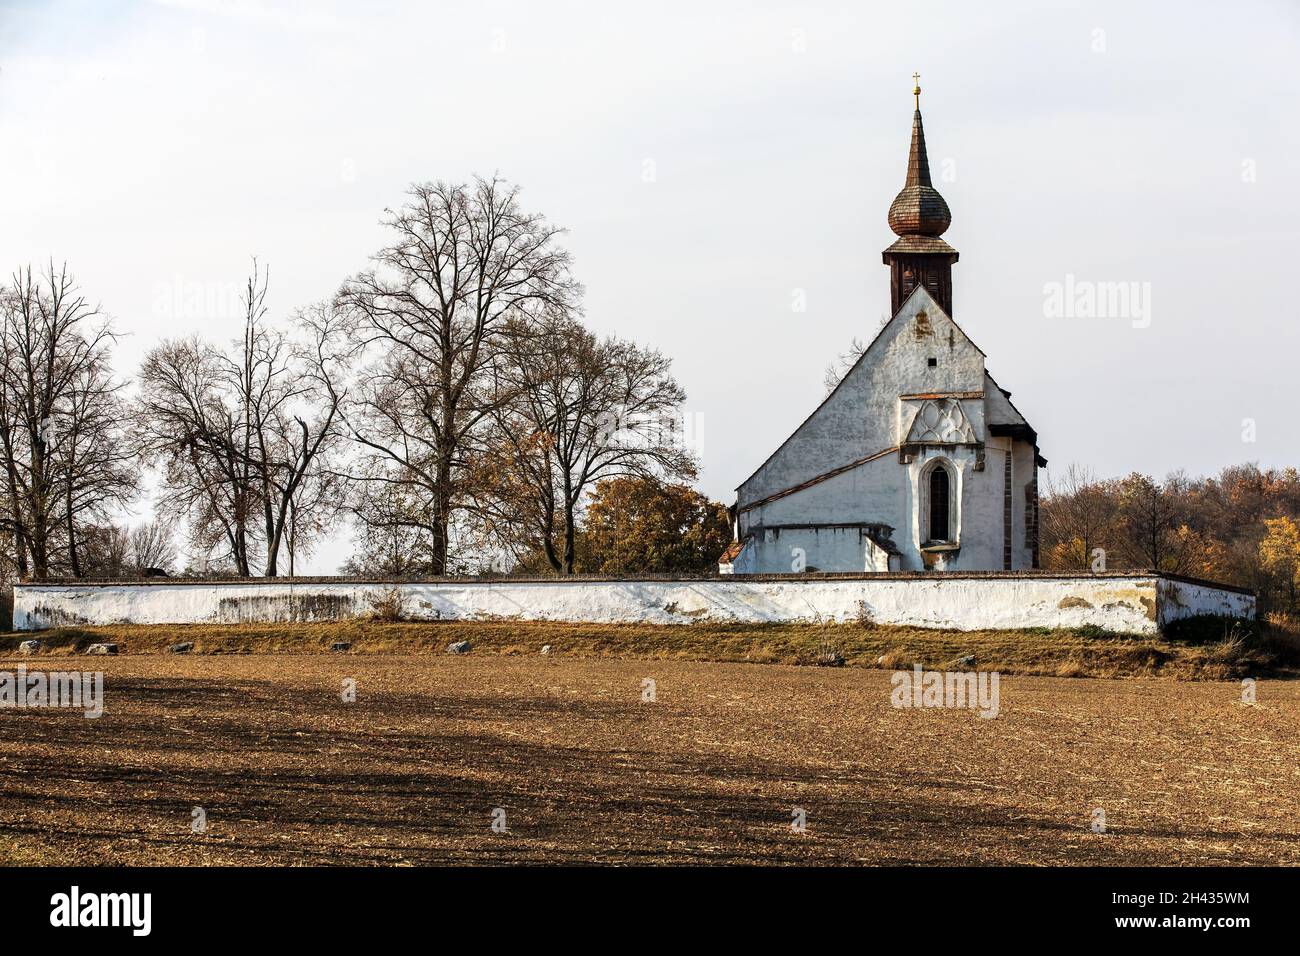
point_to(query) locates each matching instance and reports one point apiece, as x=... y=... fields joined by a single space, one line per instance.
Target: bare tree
x=60 y=419
x=836 y=371
x=579 y=410
x=394 y=539
x=12 y=411
x=431 y=314
x=314 y=509
x=98 y=467
x=244 y=435
x=152 y=547
x=1150 y=519
x=107 y=551
x=292 y=414
x=1078 y=516
x=184 y=425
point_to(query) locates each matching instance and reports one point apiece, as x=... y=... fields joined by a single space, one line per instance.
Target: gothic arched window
x=938 y=517
x=939 y=493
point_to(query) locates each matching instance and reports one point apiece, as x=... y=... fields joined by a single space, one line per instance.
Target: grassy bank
x=1273 y=650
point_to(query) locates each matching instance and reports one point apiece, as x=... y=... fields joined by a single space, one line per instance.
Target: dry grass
x=388 y=605
x=1081 y=653
x=587 y=771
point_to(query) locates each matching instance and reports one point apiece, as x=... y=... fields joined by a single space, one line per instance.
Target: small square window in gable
x=933 y=362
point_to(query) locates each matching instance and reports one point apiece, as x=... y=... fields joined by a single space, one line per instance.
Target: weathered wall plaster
x=1126 y=603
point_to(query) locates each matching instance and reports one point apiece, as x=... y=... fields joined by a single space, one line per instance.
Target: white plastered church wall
x=872 y=412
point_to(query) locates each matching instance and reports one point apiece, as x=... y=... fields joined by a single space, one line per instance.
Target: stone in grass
x=966 y=661
x=458 y=647
x=183 y=648
x=546 y=648
x=338 y=647
x=29 y=647
x=102 y=649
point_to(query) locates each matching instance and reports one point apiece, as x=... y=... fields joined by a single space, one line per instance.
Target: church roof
x=1003 y=418
x=732 y=552
x=921 y=244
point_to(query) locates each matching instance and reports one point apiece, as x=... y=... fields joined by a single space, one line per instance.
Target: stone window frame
x=954 y=504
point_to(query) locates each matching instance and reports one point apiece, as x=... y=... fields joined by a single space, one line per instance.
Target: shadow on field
x=289 y=774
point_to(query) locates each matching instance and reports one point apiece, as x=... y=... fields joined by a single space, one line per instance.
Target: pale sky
x=714 y=163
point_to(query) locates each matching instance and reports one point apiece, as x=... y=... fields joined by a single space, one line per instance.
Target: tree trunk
x=441 y=517
x=548 y=548
x=19 y=535
x=74 y=563
x=241 y=546
x=293 y=533
x=569 y=534
x=438 y=546
x=40 y=559
x=38 y=539
x=272 y=552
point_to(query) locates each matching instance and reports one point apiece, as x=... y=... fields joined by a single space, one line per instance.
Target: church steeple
x=919 y=216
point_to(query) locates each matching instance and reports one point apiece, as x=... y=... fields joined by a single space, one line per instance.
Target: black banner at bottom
x=323 y=904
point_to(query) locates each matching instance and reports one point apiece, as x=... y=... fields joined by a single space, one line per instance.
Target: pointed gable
x=863 y=415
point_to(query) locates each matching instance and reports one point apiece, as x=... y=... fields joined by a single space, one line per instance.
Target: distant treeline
x=1241 y=527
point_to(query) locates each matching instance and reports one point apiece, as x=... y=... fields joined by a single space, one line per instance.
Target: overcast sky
x=715 y=164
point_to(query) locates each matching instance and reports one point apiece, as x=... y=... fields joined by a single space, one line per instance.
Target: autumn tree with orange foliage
x=1279 y=553
x=640 y=526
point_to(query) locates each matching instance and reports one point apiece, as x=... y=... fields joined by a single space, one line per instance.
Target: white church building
x=917 y=460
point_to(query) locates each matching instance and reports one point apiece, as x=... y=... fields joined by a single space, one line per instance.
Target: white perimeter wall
x=1136 y=604
x=1183 y=599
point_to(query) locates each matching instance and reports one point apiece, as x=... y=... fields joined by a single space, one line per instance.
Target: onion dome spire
x=918 y=210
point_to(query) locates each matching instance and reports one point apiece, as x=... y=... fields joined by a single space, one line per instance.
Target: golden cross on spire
x=916 y=88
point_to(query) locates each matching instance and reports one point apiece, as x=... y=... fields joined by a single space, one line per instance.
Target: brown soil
x=586 y=771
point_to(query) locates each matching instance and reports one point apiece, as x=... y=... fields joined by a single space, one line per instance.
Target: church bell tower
x=918 y=215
